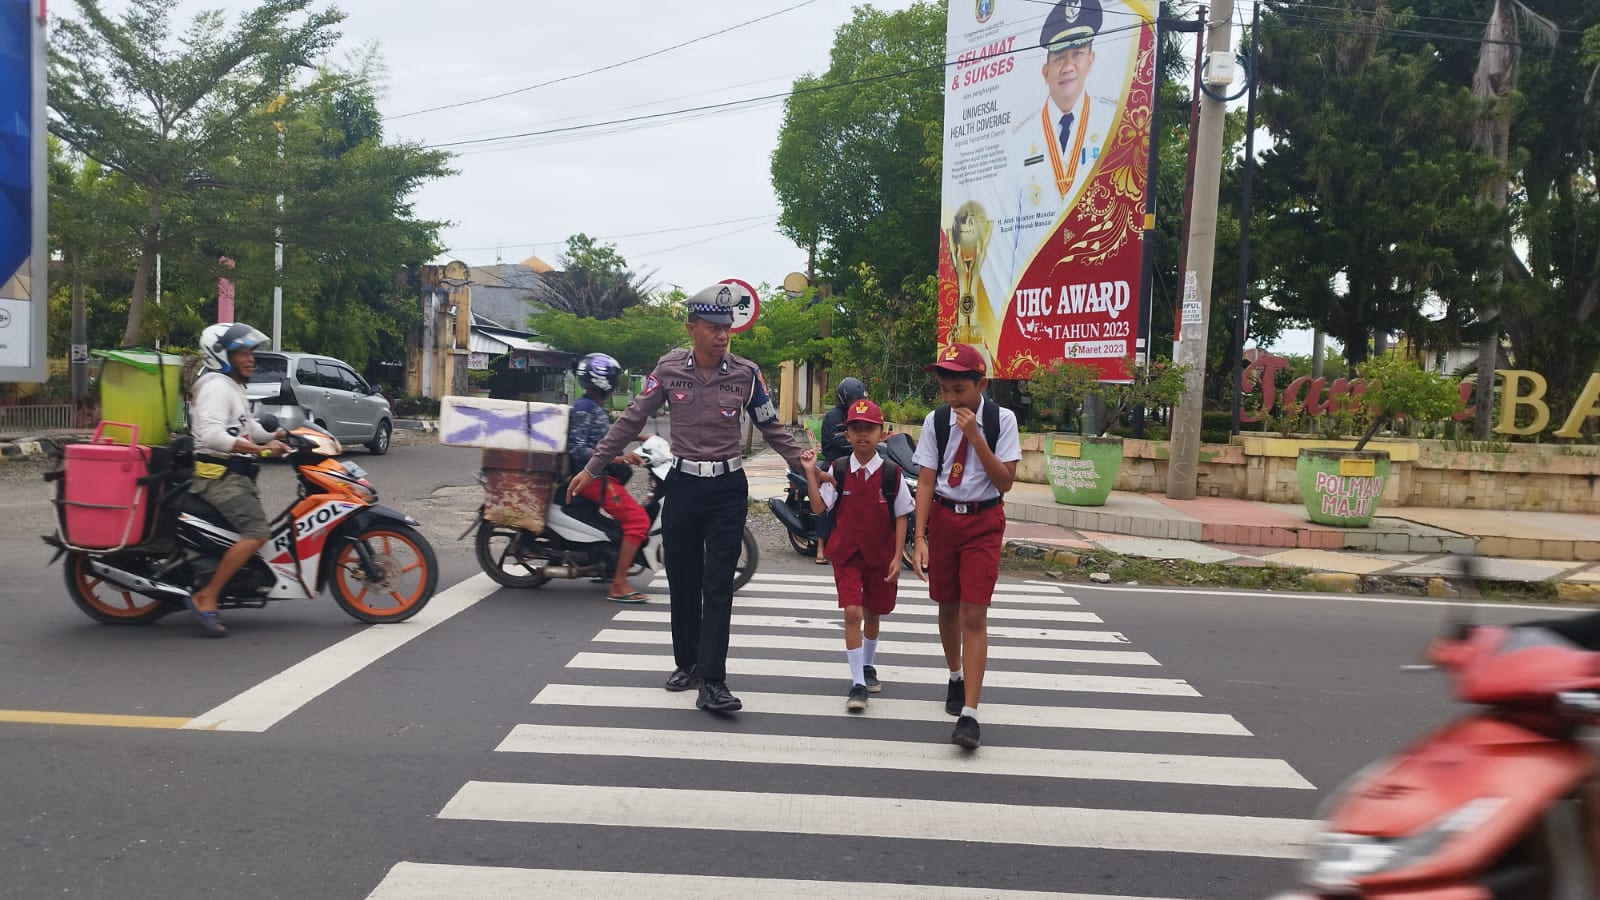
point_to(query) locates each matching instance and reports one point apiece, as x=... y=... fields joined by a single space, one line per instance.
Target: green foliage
x=595 y=281
x=637 y=338
x=906 y=412
x=884 y=337
x=787 y=328
x=1398 y=387
x=1059 y=389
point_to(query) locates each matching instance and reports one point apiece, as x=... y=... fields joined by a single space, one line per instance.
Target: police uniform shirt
x=903 y=504
x=975 y=484
x=705 y=411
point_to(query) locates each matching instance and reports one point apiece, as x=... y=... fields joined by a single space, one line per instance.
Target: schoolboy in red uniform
x=864 y=545
x=961 y=523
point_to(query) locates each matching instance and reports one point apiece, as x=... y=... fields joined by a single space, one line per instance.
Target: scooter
x=793 y=509
x=1501 y=804
x=581 y=541
x=336 y=535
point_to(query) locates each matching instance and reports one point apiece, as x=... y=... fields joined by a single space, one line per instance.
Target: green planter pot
x=1082 y=470
x=1342 y=487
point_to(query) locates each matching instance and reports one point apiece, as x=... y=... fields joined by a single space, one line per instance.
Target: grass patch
x=1172 y=572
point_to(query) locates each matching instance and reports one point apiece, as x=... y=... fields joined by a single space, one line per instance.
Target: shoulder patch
x=651 y=383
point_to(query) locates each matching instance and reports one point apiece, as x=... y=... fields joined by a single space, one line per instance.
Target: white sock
x=971 y=711
x=869 y=650
x=856 y=665
x=956 y=675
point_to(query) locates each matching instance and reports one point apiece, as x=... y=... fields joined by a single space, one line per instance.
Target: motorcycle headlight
x=1339 y=859
x=353 y=470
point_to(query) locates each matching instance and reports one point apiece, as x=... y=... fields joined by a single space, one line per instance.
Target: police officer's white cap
x=713 y=304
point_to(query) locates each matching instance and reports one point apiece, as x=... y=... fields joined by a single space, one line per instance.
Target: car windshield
x=270 y=369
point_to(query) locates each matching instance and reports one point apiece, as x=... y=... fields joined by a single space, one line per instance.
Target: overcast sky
x=686 y=197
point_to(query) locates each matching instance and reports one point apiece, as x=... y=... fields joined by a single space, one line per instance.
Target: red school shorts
x=964 y=554
x=862 y=585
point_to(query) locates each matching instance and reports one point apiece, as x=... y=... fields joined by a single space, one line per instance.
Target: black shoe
x=680 y=680
x=966 y=733
x=871 y=674
x=955 y=697
x=857 y=700
x=715 y=697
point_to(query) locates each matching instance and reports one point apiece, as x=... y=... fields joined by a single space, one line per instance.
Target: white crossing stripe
x=764 y=580
x=891 y=817
x=835 y=623
x=921 y=610
x=920 y=756
x=1037 y=681
x=1081 y=717
x=746 y=641
x=429 y=881
x=910 y=589
x=266 y=704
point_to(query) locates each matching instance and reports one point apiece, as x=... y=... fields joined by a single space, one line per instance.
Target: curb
x=424 y=425
x=27 y=449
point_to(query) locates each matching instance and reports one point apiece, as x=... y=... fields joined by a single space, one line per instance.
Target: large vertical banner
x=22 y=191
x=1047 y=130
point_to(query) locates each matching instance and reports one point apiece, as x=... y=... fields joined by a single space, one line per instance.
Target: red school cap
x=958 y=358
x=864 y=411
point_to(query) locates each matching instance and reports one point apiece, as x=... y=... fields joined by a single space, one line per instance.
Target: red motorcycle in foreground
x=1501 y=804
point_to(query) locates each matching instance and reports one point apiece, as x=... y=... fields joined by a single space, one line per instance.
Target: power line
x=605 y=68
x=613 y=237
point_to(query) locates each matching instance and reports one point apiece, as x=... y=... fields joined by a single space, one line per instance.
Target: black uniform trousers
x=702 y=533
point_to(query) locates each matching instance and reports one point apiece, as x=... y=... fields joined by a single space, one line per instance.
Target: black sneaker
x=715 y=697
x=680 y=680
x=955 y=697
x=871 y=674
x=966 y=733
x=857 y=701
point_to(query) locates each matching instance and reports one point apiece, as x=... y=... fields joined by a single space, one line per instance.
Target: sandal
x=209 y=620
x=822 y=562
x=631 y=597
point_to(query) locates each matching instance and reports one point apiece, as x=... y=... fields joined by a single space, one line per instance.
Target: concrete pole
x=1182 y=474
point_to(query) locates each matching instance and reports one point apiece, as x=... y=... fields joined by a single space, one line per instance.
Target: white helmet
x=600 y=372
x=221 y=339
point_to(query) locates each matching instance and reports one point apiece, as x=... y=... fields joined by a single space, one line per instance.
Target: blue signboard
x=22 y=192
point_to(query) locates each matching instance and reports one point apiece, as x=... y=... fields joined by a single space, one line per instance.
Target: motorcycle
x=335 y=535
x=1501 y=804
x=581 y=541
x=793 y=509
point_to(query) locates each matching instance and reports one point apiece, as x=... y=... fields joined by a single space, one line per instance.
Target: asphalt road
x=339 y=767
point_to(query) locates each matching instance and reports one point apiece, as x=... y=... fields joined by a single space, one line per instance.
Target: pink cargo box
x=104 y=505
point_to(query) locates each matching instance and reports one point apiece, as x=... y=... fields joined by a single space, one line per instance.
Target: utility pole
x=1182 y=473
x=277 y=238
x=1241 y=315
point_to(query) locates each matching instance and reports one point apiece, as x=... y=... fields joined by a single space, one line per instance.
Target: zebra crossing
x=1100 y=777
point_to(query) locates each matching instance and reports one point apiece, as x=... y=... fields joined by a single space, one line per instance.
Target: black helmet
x=849 y=391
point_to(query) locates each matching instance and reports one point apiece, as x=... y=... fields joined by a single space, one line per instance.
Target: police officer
x=707 y=389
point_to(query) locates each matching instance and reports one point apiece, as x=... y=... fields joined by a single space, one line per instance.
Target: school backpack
x=841 y=471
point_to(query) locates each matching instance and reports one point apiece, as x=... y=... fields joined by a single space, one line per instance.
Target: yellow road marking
x=97 y=720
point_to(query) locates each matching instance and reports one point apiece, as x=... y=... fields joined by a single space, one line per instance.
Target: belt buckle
x=707 y=469
x=962 y=508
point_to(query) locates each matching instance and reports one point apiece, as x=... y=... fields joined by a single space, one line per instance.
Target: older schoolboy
x=968 y=454
x=864 y=545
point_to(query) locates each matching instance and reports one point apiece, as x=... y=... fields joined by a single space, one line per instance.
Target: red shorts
x=964 y=554
x=863 y=585
x=619 y=505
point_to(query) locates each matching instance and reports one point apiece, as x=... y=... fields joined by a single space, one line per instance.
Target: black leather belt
x=702 y=468
x=970 y=507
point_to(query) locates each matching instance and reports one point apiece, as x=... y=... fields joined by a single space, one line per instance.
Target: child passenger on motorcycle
x=586 y=425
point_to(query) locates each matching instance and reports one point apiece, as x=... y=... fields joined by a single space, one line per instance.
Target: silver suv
x=303 y=387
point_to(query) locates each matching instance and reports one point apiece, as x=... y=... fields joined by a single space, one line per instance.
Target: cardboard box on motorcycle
x=524 y=453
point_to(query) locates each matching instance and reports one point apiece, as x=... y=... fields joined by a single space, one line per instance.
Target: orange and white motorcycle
x=376 y=564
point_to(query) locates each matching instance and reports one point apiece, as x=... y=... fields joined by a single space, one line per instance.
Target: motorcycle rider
x=587 y=423
x=226 y=437
x=834 y=443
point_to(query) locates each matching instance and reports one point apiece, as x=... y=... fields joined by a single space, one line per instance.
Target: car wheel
x=379 y=445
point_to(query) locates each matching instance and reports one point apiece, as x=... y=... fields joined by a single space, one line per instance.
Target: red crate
x=103 y=505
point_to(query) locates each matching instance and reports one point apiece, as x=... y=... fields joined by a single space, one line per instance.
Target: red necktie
x=959 y=463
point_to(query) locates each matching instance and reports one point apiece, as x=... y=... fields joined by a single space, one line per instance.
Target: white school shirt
x=975 y=485
x=903 y=504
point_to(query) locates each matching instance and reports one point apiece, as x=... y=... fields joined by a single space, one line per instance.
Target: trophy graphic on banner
x=969 y=239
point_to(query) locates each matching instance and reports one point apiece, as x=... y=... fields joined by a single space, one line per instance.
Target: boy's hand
x=894 y=571
x=967 y=421
x=807 y=457
x=919 y=559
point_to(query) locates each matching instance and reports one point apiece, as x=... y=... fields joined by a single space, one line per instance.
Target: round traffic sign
x=746 y=304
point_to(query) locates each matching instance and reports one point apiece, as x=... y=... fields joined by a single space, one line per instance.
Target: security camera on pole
x=1196 y=290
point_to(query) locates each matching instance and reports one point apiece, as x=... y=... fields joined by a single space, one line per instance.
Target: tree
x=161 y=112
x=595 y=281
x=637 y=338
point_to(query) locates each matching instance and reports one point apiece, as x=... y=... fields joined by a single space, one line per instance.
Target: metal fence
x=31 y=419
